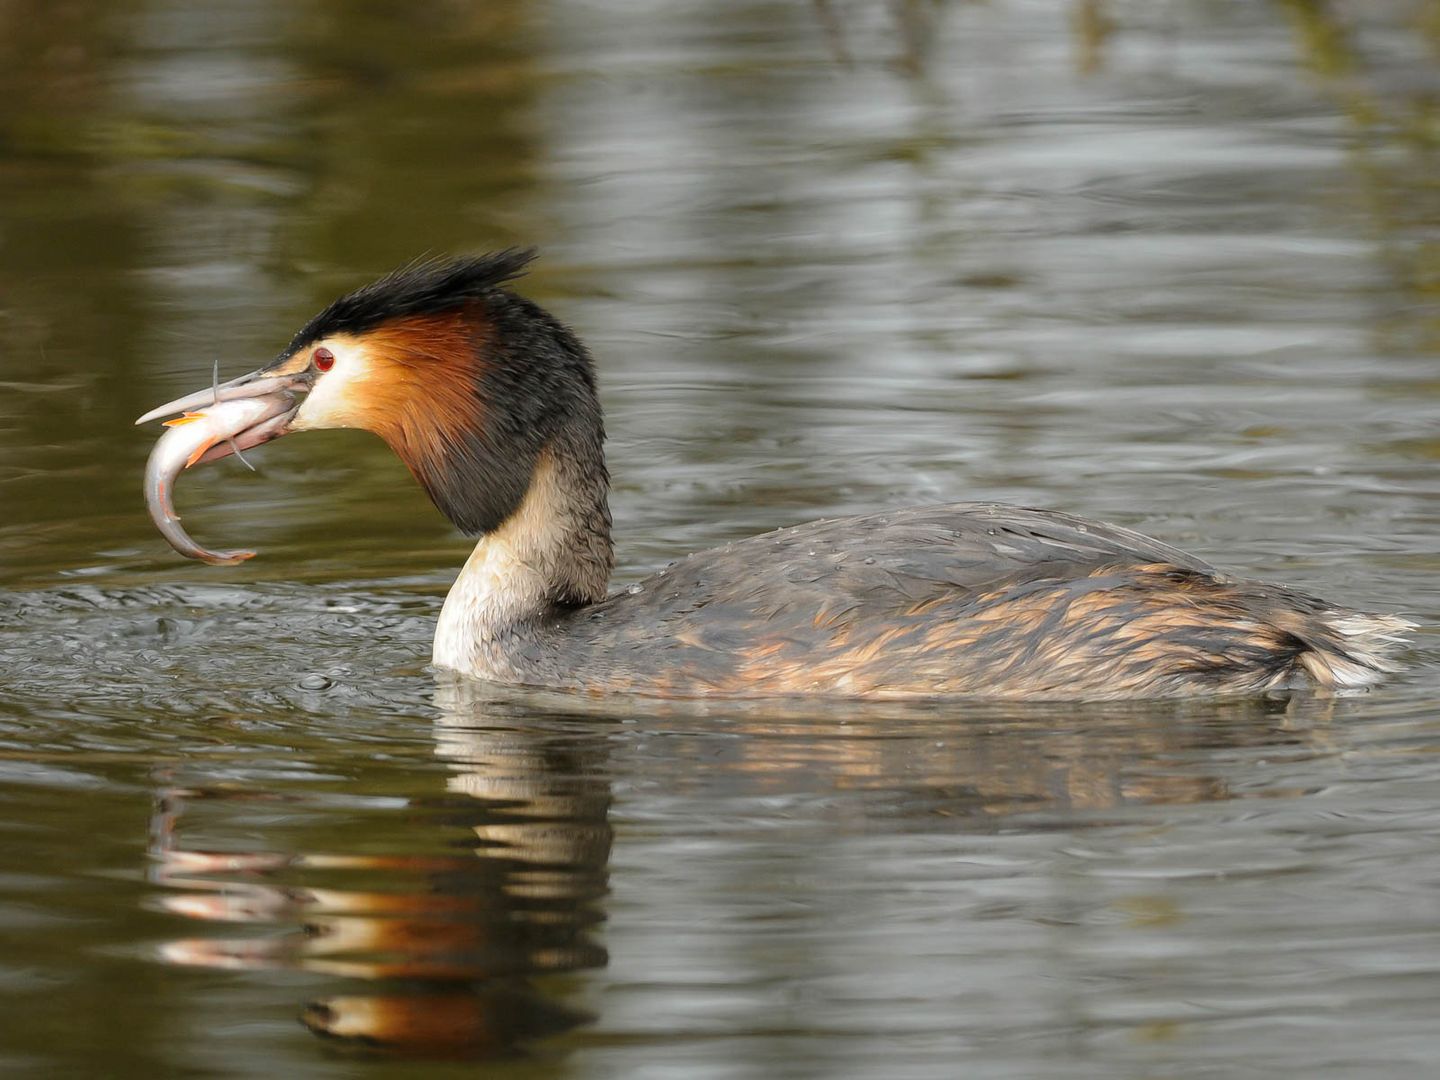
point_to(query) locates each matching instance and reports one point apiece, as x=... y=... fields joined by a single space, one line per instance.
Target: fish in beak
x=256 y=384
x=213 y=424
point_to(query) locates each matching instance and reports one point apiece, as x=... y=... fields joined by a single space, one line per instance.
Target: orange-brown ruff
x=491 y=402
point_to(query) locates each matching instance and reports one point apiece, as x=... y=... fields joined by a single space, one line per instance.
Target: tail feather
x=1354 y=649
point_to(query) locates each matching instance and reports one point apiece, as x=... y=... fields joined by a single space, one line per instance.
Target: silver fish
x=193 y=438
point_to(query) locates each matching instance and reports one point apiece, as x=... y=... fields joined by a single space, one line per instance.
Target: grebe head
x=470 y=384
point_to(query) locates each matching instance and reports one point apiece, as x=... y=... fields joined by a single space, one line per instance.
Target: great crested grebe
x=491 y=403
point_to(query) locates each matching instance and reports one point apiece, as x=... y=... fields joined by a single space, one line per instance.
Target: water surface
x=1170 y=265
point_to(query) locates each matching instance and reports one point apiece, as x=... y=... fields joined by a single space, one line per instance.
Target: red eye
x=323 y=358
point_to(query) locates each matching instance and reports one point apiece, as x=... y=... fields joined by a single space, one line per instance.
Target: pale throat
x=545 y=550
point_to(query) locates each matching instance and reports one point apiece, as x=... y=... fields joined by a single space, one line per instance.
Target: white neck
x=551 y=549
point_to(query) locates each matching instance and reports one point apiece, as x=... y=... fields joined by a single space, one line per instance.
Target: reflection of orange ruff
x=190 y=418
x=443 y=950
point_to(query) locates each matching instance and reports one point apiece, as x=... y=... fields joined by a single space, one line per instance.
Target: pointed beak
x=256 y=384
x=262 y=383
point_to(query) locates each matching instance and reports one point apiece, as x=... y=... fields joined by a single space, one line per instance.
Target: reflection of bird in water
x=503 y=878
x=450 y=944
x=492 y=405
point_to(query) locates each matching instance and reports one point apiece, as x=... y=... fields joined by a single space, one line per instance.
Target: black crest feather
x=424 y=287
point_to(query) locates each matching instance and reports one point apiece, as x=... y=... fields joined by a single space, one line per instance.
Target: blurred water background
x=1171 y=263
